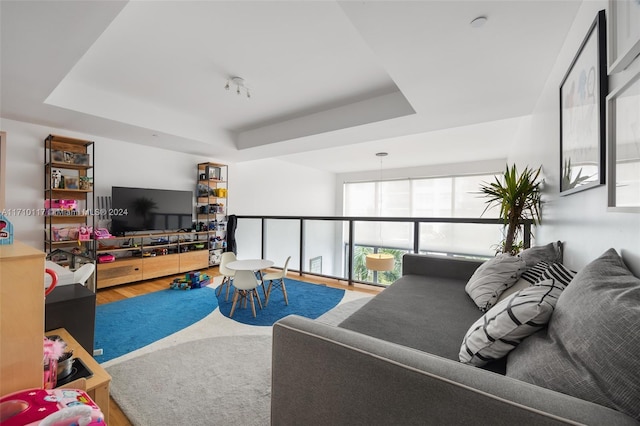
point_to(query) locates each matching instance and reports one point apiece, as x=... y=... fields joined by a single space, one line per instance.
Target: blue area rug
x=307 y=300
x=129 y=324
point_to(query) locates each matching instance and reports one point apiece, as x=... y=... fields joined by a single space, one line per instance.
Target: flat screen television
x=144 y=209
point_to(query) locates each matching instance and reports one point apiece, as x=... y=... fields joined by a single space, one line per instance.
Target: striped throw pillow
x=559 y=273
x=532 y=275
x=506 y=324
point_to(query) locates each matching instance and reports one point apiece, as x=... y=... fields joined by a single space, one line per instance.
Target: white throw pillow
x=505 y=325
x=492 y=278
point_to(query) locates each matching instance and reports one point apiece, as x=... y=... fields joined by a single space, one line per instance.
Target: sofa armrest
x=324 y=375
x=439 y=266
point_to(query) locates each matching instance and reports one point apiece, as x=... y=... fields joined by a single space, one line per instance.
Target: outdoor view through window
x=452 y=196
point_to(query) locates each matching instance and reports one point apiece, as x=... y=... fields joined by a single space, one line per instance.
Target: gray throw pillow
x=550 y=253
x=507 y=323
x=492 y=278
x=590 y=349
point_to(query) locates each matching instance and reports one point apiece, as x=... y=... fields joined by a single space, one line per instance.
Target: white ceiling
x=329 y=81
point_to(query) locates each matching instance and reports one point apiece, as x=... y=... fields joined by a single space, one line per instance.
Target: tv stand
x=142 y=257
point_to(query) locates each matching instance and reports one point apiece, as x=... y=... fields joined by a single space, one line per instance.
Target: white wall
x=258 y=187
x=581 y=219
x=276 y=187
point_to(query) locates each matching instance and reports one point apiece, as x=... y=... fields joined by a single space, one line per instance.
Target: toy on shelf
x=61 y=207
x=102 y=233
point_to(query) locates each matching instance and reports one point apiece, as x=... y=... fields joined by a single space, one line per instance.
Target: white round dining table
x=250 y=264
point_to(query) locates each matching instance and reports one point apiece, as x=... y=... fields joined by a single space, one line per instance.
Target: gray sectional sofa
x=396 y=360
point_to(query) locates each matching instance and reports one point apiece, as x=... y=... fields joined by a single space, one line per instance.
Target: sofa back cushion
x=590 y=349
x=550 y=253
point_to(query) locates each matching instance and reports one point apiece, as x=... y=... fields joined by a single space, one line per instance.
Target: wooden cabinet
x=21 y=317
x=212 y=206
x=142 y=257
x=160 y=266
x=119 y=272
x=194 y=260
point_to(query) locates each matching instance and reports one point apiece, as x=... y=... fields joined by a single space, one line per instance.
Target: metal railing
x=348 y=237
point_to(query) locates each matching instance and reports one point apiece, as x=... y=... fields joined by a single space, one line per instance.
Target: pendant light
x=380 y=261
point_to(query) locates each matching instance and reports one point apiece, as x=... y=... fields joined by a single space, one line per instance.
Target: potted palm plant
x=518 y=196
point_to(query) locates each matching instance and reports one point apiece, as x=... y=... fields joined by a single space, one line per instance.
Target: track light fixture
x=240 y=86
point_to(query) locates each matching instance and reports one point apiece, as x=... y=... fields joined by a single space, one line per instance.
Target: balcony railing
x=335 y=246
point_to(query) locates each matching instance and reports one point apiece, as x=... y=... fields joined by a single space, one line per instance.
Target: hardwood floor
x=124 y=291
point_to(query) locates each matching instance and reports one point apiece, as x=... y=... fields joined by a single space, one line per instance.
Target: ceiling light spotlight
x=479 y=21
x=240 y=85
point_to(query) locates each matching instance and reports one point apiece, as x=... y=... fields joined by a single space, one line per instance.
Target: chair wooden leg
x=266 y=297
x=284 y=291
x=226 y=299
x=258 y=297
x=264 y=292
x=219 y=291
x=233 y=305
x=253 y=306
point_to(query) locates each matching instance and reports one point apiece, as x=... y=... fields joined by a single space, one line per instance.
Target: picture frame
x=623 y=33
x=68 y=157
x=70 y=182
x=623 y=145
x=583 y=92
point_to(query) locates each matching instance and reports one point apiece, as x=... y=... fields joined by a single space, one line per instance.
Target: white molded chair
x=276 y=279
x=82 y=274
x=246 y=286
x=227 y=274
x=66 y=276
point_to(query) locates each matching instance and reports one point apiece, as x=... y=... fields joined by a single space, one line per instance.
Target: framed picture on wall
x=582 y=113
x=70 y=182
x=623 y=123
x=624 y=33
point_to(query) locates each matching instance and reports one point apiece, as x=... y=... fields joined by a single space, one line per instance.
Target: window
x=453 y=196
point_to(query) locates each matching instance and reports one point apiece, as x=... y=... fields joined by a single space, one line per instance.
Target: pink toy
x=61 y=204
x=84 y=233
x=102 y=233
x=106 y=258
x=55 y=407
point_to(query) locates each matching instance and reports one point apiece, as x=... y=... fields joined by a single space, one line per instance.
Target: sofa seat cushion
x=590 y=349
x=425 y=313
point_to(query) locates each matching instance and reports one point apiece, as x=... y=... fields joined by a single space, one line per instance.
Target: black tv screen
x=143 y=209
